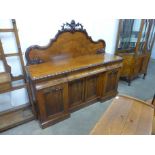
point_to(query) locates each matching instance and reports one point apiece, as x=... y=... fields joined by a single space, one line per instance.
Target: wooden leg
x=153 y=101
x=129 y=82
x=144 y=75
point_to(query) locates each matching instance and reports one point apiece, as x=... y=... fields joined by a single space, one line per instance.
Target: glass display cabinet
x=134 y=43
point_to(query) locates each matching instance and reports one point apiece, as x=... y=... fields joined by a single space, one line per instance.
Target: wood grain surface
x=125 y=116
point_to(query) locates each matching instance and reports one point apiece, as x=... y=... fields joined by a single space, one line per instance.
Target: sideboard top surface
x=60 y=65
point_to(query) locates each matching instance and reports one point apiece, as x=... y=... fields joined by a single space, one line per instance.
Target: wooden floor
x=15 y=118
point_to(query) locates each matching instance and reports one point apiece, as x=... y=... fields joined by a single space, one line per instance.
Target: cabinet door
x=145 y=63
x=91 y=91
x=112 y=81
x=52 y=101
x=76 y=92
x=138 y=65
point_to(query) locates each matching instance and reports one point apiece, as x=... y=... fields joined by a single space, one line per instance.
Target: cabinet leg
x=129 y=82
x=144 y=75
x=153 y=101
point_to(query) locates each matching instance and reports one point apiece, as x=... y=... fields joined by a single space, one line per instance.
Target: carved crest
x=73 y=26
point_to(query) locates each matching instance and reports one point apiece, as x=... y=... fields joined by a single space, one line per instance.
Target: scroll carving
x=73 y=26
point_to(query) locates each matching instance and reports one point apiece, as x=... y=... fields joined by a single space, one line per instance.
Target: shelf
x=14 y=109
x=14 y=87
x=11 y=54
x=6 y=30
x=15 y=118
x=20 y=77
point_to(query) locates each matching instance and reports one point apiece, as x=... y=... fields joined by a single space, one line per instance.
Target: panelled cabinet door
x=91 y=87
x=52 y=101
x=112 y=81
x=76 y=92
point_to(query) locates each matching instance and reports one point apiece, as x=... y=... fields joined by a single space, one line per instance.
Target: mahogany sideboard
x=71 y=72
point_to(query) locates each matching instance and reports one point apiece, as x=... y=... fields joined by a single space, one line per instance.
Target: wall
x=40 y=31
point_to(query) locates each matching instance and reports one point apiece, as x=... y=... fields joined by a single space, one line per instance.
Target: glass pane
x=135 y=32
x=144 y=35
x=151 y=36
x=129 y=30
x=13 y=99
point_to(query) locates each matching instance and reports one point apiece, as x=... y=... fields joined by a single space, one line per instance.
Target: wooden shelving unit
x=14 y=116
x=17 y=116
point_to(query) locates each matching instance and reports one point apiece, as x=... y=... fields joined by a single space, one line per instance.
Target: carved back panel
x=72 y=41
